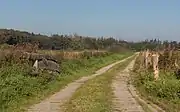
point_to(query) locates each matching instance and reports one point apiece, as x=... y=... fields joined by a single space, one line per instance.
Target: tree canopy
x=77 y=42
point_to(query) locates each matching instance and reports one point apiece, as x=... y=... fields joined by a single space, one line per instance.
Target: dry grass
x=74 y=54
x=20 y=53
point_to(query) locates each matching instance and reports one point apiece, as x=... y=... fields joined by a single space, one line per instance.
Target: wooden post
x=146 y=58
x=155 y=65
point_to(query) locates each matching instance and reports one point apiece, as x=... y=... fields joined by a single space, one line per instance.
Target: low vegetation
x=165 y=91
x=18 y=89
x=95 y=95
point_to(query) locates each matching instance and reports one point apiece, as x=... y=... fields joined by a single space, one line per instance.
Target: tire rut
x=124 y=101
x=126 y=98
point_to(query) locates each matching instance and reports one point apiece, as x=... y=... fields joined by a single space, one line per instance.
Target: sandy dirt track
x=124 y=101
x=54 y=103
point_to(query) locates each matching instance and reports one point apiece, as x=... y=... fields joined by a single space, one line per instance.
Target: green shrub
x=169 y=89
x=87 y=54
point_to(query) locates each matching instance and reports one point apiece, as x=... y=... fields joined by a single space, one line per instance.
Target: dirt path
x=124 y=101
x=126 y=98
x=55 y=102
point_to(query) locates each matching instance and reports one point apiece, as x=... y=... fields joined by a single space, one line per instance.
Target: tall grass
x=75 y=54
x=165 y=91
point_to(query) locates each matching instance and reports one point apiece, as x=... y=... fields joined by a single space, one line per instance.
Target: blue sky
x=125 y=19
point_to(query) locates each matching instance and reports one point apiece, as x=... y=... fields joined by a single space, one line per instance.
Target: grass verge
x=18 y=90
x=96 y=95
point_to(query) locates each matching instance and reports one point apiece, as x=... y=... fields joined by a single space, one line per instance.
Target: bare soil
x=124 y=101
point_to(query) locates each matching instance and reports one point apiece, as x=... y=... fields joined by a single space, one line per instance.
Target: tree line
x=77 y=42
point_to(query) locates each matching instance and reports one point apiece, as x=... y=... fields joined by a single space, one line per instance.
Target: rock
x=34 y=72
x=48 y=65
x=36 y=64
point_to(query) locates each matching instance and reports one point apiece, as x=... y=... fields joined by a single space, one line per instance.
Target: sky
x=125 y=19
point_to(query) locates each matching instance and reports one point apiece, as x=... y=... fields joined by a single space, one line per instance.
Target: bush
x=87 y=54
x=169 y=89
